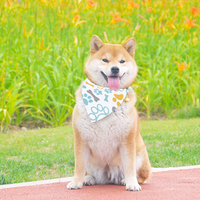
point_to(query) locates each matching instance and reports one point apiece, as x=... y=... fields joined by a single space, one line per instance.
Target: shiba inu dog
x=110 y=149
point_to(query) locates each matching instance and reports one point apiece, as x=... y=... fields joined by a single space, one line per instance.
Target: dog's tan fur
x=110 y=150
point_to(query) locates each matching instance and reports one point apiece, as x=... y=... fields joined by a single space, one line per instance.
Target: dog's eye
x=122 y=61
x=105 y=60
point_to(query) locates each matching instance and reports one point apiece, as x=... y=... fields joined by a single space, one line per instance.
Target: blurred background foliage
x=45 y=43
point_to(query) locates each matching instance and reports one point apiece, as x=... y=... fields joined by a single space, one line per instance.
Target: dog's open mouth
x=113 y=81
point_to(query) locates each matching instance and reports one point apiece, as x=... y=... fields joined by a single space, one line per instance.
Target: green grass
x=48 y=153
x=172 y=143
x=36 y=155
x=46 y=43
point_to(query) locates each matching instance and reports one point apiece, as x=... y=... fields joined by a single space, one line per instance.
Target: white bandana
x=101 y=101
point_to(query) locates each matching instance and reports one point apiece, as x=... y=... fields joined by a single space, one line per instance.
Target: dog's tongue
x=113 y=83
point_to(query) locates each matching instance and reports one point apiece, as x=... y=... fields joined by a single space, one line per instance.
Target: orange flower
x=190 y=23
x=132 y=4
x=8 y=3
x=181 y=66
x=41 y=45
x=76 y=20
x=76 y=17
x=195 y=11
x=171 y=25
x=91 y=4
x=2 y=78
x=116 y=18
x=43 y=1
x=180 y=4
x=149 y=9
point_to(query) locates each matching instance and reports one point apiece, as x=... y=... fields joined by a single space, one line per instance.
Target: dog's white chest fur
x=104 y=136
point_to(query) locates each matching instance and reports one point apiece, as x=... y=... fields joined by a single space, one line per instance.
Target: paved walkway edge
x=59 y=180
x=174 y=168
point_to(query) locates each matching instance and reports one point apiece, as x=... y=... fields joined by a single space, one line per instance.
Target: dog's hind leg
x=143 y=166
x=89 y=180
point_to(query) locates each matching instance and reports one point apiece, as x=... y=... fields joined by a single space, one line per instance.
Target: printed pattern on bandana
x=101 y=101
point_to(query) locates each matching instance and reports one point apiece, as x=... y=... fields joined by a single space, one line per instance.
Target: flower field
x=45 y=43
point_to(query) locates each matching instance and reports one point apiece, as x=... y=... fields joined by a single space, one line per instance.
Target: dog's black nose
x=115 y=70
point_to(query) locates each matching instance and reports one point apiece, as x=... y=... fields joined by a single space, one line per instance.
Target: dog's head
x=111 y=65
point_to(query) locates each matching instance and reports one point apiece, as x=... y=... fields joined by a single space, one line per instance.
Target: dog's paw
x=133 y=187
x=122 y=182
x=89 y=180
x=74 y=185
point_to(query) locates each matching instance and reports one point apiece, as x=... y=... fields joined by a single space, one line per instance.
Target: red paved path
x=172 y=185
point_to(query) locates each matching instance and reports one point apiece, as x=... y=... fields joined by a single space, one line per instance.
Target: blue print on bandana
x=98 y=112
x=101 y=101
x=98 y=92
x=108 y=91
x=120 y=90
x=87 y=99
x=106 y=97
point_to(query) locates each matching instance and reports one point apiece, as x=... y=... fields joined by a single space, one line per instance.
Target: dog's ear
x=130 y=46
x=95 y=44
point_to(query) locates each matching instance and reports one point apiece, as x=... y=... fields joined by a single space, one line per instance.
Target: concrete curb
x=32 y=183
x=175 y=168
x=60 y=180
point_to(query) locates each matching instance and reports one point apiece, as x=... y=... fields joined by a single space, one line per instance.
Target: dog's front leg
x=128 y=156
x=81 y=157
